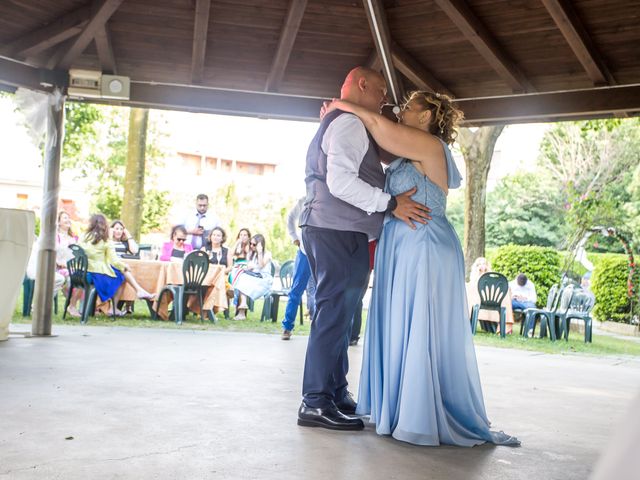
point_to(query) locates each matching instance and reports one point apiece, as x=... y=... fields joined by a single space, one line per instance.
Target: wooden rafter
x=105 y=51
x=285 y=45
x=415 y=72
x=52 y=59
x=101 y=12
x=382 y=40
x=200 y=30
x=479 y=36
x=373 y=61
x=579 y=40
x=48 y=36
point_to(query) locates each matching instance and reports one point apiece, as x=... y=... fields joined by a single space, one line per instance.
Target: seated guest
x=177 y=248
x=241 y=248
x=489 y=319
x=523 y=293
x=122 y=239
x=105 y=269
x=32 y=268
x=254 y=279
x=65 y=236
x=218 y=254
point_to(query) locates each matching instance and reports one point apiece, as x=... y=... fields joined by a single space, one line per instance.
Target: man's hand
x=296 y=242
x=196 y=231
x=409 y=211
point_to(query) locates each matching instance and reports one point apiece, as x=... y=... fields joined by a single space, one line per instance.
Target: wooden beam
x=51 y=34
x=102 y=12
x=225 y=102
x=479 y=36
x=556 y=106
x=200 y=29
x=105 y=51
x=576 y=35
x=548 y=107
x=18 y=74
x=285 y=44
x=415 y=72
x=382 y=40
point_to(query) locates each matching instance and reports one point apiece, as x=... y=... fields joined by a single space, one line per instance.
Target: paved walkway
x=104 y=403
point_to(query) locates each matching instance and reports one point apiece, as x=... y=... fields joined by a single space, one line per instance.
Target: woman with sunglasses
x=254 y=279
x=176 y=249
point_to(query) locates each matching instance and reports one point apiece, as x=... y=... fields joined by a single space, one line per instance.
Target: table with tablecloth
x=153 y=275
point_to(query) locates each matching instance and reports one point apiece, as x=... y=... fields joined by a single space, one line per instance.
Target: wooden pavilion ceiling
x=500 y=58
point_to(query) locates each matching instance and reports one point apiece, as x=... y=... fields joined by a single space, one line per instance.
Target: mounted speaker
x=115 y=86
x=84 y=83
x=93 y=84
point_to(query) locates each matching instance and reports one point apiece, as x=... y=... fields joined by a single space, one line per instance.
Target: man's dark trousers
x=339 y=263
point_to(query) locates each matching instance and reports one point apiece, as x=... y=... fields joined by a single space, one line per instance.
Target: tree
x=133 y=199
x=526 y=209
x=477 y=149
x=96 y=149
x=592 y=163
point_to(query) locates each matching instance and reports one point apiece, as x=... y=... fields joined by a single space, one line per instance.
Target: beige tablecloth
x=153 y=275
x=16 y=240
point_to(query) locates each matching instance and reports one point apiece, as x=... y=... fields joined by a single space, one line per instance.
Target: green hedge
x=540 y=264
x=609 y=285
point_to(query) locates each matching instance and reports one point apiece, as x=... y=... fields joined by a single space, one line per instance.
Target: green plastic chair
x=286 y=279
x=580 y=309
x=545 y=315
x=194 y=270
x=28 y=289
x=77 y=267
x=492 y=287
x=268 y=305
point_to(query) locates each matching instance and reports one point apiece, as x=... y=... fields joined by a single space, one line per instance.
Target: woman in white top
x=254 y=279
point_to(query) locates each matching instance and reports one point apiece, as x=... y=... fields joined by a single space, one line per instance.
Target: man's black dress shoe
x=329 y=417
x=347 y=405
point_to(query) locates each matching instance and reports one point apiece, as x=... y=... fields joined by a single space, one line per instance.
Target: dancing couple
x=419 y=380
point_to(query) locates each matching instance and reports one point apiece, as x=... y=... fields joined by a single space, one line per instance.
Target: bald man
x=344 y=208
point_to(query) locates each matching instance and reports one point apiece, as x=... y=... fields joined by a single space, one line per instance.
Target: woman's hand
x=259 y=248
x=328 y=107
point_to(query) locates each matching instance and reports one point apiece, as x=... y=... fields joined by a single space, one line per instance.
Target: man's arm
x=346 y=143
x=293 y=218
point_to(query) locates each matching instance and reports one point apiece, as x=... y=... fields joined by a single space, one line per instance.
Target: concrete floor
x=111 y=403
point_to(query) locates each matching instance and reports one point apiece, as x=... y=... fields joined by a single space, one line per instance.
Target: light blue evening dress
x=419 y=380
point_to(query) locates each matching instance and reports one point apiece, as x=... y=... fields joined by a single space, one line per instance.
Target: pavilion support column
x=43 y=295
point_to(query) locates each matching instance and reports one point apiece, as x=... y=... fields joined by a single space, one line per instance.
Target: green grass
x=602 y=345
x=142 y=319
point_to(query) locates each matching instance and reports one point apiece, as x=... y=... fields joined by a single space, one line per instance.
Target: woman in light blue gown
x=419 y=380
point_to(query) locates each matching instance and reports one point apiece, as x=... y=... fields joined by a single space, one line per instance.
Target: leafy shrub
x=540 y=264
x=609 y=285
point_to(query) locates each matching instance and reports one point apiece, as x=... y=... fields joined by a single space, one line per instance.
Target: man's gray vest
x=321 y=208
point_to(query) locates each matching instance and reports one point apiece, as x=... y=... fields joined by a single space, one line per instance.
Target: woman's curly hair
x=445 y=115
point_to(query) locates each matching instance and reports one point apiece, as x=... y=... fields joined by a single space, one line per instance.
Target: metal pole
x=43 y=295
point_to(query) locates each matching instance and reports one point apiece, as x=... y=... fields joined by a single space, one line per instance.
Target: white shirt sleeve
x=293 y=220
x=345 y=143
